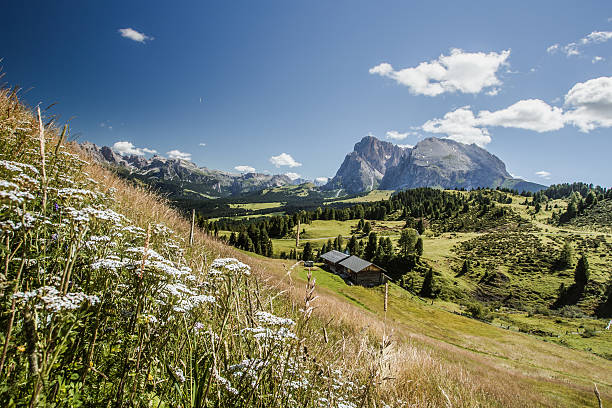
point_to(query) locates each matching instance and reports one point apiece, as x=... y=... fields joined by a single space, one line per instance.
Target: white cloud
x=293 y=176
x=395 y=135
x=405 y=146
x=597 y=59
x=543 y=174
x=322 y=180
x=532 y=114
x=458 y=72
x=573 y=48
x=177 y=154
x=134 y=35
x=284 y=159
x=245 y=169
x=588 y=106
x=590 y=103
x=459 y=125
x=202 y=144
x=127 y=148
x=553 y=49
x=493 y=92
x=597 y=37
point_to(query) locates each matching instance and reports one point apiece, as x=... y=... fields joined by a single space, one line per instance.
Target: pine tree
x=307 y=254
x=582 y=273
x=407 y=241
x=367 y=228
x=420 y=227
x=566 y=258
x=419 y=247
x=427 y=288
x=370 y=249
x=352 y=246
x=465 y=268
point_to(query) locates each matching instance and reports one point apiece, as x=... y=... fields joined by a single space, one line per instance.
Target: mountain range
x=373 y=164
x=433 y=162
x=183 y=179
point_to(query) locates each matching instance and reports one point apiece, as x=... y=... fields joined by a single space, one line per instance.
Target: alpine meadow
x=306 y=204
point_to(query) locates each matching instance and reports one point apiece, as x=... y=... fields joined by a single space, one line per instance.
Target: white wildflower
x=272 y=320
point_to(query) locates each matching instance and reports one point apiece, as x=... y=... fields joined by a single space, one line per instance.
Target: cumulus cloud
x=460 y=71
x=284 y=159
x=597 y=37
x=552 y=49
x=543 y=174
x=395 y=135
x=588 y=106
x=405 y=146
x=322 y=180
x=177 y=154
x=460 y=125
x=127 y=148
x=245 y=169
x=573 y=48
x=134 y=35
x=532 y=114
x=293 y=176
x=597 y=59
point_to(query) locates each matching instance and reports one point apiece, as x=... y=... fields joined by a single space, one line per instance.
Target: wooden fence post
x=192 y=227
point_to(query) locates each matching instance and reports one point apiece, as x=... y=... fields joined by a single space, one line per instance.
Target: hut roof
x=355 y=264
x=334 y=256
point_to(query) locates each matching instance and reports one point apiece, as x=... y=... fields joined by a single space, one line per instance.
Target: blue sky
x=287 y=86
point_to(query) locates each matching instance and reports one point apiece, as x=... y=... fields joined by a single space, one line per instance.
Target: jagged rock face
x=364 y=168
x=182 y=178
x=445 y=163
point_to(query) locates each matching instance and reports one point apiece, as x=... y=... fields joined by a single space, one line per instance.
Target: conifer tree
x=370 y=249
x=420 y=227
x=419 y=247
x=367 y=228
x=566 y=258
x=407 y=241
x=427 y=288
x=352 y=246
x=582 y=273
x=307 y=253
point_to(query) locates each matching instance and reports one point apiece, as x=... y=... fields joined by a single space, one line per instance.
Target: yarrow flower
x=230 y=265
x=53 y=301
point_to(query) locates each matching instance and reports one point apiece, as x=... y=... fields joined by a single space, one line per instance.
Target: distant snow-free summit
x=433 y=162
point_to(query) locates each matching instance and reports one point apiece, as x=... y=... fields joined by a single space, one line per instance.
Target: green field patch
x=372 y=196
x=256 y=206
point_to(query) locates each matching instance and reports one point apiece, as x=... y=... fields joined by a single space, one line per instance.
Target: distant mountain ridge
x=182 y=178
x=433 y=162
x=364 y=168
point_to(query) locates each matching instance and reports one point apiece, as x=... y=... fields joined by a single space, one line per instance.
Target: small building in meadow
x=332 y=259
x=363 y=272
x=357 y=270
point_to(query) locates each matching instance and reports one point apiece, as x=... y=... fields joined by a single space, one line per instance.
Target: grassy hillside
x=105 y=302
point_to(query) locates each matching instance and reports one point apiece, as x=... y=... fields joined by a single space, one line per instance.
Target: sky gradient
x=290 y=87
